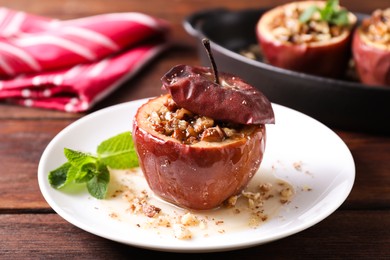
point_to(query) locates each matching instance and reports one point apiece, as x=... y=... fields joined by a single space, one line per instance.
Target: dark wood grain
x=30 y=229
x=345 y=235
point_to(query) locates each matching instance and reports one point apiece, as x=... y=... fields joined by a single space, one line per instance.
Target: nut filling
x=190 y=128
x=287 y=28
x=377 y=27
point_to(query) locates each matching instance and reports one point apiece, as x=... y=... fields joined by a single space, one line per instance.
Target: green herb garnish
x=331 y=13
x=116 y=153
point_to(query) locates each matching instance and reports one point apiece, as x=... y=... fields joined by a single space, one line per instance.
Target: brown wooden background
x=30 y=229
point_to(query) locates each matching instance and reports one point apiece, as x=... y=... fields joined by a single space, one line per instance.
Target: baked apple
x=199 y=143
x=313 y=37
x=371 y=49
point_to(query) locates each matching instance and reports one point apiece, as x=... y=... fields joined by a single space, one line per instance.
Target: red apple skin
x=328 y=59
x=192 y=87
x=372 y=62
x=197 y=177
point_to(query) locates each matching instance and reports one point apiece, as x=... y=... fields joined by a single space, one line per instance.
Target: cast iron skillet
x=342 y=104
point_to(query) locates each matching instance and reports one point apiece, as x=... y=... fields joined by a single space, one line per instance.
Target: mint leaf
x=98 y=185
x=77 y=158
x=330 y=7
x=330 y=13
x=307 y=14
x=118 y=152
x=57 y=178
x=84 y=173
x=341 y=18
x=83 y=166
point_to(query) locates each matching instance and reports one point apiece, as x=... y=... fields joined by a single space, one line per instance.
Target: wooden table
x=30 y=229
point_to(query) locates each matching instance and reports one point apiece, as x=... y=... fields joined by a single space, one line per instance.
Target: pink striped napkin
x=72 y=64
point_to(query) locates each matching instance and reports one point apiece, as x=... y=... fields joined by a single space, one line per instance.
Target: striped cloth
x=72 y=64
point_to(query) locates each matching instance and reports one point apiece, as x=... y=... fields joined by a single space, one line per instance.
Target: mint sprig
x=331 y=13
x=116 y=153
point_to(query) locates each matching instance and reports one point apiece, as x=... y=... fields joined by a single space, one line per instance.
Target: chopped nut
x=377 y=27
x=188 y=127
x=113 y=215
x=231 y=202
x=150 y=210
x=171 y=105
x=285 y=195
x=182 y=113
x=265 y=187
x=189 y=220
x=286 y=192
x=182 y=232
x=251 y=195
x=184 y=225
x=287 y=28
x=203 y=123
x=298 y=166
x=212 y=134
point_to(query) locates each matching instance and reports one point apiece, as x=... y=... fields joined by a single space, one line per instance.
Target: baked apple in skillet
x=203 y=140
x=371 y=49
x=313 y=37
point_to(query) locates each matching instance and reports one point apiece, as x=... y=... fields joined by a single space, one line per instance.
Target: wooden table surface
x=30 y=229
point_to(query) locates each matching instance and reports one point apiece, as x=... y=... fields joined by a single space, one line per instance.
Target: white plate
x=300 y=150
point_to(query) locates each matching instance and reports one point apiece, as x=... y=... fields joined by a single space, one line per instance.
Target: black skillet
x=343 y=104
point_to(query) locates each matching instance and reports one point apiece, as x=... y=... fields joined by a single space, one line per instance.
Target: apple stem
x=206 y=44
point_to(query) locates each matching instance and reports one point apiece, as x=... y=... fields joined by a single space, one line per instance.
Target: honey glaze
x=131 y=201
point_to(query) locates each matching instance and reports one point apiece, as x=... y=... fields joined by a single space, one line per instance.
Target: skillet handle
x=192 y=22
